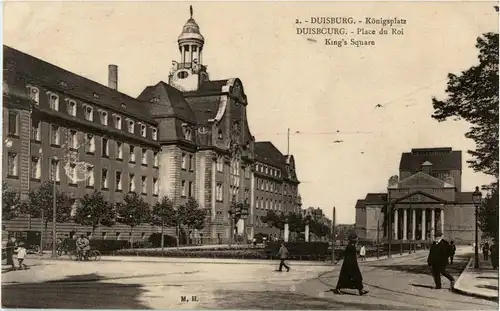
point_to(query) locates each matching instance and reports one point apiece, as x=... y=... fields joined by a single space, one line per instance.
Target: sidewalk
x=145 y=259
x=482 y=282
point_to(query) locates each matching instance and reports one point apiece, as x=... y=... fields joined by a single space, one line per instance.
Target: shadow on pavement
x=456 y=268
x=86 y=292
x=285 y=301
x=492 y=287
x=423 y=286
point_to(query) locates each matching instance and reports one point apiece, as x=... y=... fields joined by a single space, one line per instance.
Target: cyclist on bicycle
x=82 y=246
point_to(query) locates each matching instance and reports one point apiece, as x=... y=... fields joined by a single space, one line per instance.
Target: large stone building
x=426 y=196
x=185 y=138
x=276 y=185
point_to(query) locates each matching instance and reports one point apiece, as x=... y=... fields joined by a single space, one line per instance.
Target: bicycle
x=92 y=255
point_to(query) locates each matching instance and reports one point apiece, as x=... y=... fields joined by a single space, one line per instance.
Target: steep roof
x=39 y=71
x=375 y=198
x=360 y=204
x=204 y=107
x=441 y=159
x=267 y=153
x=170 y=102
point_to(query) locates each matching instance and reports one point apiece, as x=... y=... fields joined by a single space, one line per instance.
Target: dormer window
x=88 y=112
x=104 y=117
x=154 y=133
x=188 y=134
x=53 y=101
x=71 y=107
x=34 y=94
x=96 y=95
x=130 y=126
x=118 y=122
x=143 y=130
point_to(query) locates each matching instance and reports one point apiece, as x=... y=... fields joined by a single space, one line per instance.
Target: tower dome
x=190 y=31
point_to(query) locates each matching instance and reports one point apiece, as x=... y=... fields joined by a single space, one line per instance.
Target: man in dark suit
x=438 y=259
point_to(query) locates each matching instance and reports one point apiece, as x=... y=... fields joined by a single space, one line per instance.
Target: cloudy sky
x=291 y=82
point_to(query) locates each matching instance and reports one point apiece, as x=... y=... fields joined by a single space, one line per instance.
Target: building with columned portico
x=425 y=197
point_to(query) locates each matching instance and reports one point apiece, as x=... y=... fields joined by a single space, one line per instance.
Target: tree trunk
x=162 y=237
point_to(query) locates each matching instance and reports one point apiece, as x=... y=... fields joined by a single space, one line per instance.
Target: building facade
x=276 y=185
x=426 y=197
x=185 y=138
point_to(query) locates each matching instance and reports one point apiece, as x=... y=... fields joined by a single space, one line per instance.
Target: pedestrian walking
x=453 y=250
x=283 y=254
x=438 y=259
x=494 y=254
x=486 y=249
x=350 y=276
x=21 y=254
x=362 y=253
x=10 y=248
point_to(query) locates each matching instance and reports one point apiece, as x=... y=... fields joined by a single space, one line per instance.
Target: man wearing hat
x=438 y=259
x=350 y=276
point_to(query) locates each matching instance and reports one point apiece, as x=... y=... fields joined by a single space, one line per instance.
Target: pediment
x=419 y=197
x=421 y=180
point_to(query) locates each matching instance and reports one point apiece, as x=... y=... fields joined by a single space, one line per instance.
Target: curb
x=457 y=289
x=219 y=261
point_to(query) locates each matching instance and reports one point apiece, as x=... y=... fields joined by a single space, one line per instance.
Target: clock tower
x=190 y=72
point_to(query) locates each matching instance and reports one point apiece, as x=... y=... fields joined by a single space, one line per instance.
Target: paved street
x=400 y=283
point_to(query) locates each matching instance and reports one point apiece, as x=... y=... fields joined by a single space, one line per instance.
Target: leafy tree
x=164 y=215
x=296 y=223
x=133 y=212
x=190 y=215
x=473 y=96
x=488 y=213
x=11 y=202
x=94 y=211
x=275 y=220
x=41 y=199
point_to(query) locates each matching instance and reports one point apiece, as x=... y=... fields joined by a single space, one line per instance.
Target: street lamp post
x=54 y=210
x=476 y=198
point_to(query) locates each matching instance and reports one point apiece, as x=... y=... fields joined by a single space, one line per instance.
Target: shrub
x=206 y=253
x=169 y=241
x=315 y=250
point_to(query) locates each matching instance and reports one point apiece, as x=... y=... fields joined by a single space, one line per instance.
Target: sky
x=291 y=81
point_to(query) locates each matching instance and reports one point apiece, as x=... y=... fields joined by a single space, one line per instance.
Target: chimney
x=113 y=77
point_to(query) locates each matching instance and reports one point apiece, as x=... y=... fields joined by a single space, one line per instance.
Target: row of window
x=262 y=168
x=234 y=167
x=74 y=139
x=273 y=187
x=77 y=172
x=268 y=204
x=88 y=113
x=234 y=191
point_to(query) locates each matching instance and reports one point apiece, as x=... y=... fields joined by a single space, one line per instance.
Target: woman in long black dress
x=11 y=246
x=350 y=276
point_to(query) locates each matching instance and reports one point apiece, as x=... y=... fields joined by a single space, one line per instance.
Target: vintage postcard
x=250 y=155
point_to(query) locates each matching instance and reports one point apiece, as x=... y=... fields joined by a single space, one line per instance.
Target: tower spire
x=191 y=11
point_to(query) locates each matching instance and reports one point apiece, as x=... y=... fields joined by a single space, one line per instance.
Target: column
x=306 y=233
x=396 y=235
x=413 y=224
x=423 y=224
x=442 y=220
x=433 y=223
x=287 y=232
x=405 y=224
